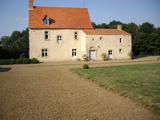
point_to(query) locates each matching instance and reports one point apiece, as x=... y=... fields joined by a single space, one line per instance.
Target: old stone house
x=64 y=34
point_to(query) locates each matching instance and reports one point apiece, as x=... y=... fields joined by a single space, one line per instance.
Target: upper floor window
x=75 y=35
x=46 y=35
x=46 y=21
x=59 y=39
x=120 y=40
x=101 y=38
x=74 y=52
x=44 y=52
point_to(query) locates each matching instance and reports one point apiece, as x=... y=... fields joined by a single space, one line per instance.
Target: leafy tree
x=15 y=45
x=94 y=25
x=114 y=23
x=147 y=27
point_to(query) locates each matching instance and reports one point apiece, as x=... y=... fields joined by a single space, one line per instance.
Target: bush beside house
x=18 y=61
x=85 y=57
x=85 y=66
x=104 y=56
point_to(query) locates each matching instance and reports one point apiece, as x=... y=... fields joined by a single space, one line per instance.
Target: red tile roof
x=106 y=32
x=73 y=18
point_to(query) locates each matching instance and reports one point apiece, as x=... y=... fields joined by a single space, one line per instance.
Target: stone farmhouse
x=65 y=34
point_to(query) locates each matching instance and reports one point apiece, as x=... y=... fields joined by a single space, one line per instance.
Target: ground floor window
x=44 y=52
x=74 y=52
x=120 y=50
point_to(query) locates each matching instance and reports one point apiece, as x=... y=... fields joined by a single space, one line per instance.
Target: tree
x=114 y=23
x=15 y=45
x=147 y=27
x=94 y=25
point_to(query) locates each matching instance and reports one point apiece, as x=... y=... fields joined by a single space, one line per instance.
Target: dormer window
x=46 y=21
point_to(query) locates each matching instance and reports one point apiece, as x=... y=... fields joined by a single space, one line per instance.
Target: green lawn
x=140 y=83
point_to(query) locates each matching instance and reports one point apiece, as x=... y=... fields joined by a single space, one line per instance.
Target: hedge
x=18 y=61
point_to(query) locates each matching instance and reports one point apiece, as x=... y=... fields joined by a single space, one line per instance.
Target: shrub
x=85 y=66
x=26 y=60
x=104 y=56
x=34 y=61
x=4 y=61
x=19 y=61
x=85 y=57
x=12 y=61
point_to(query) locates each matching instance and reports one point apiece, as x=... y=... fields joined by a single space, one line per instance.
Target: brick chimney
x=31 y=5
x=119 y=27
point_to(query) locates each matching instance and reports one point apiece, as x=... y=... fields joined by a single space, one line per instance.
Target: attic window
x=46 y=21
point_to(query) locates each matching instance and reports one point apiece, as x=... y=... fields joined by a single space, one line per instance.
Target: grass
x=140 y=83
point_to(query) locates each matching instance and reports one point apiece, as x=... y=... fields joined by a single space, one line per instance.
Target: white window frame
x=59 y=39
x=44 y=52
x=46 y=33
x=74 y=52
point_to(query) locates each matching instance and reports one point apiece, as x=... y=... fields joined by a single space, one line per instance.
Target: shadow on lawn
x=5 y=69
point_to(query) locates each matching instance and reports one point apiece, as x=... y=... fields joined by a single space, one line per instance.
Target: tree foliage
x=16 y=45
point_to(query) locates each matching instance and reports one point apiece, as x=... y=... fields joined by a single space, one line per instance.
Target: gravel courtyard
x=50 y=91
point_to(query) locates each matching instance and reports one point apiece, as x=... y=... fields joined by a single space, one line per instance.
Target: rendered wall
x=56 y=52
x=110 y=42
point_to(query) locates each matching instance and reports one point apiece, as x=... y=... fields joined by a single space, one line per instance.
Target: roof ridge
x=124 y=31
x=60 y=7
x=104 y=31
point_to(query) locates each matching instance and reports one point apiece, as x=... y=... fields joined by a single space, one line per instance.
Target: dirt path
x=51 y=92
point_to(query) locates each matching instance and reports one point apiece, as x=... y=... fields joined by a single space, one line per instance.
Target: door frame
x=108 y=54
x=90 y=54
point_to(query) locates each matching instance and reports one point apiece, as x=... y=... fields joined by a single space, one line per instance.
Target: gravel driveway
x=52 y=92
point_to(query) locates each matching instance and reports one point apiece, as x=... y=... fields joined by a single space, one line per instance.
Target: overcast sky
x=14 y=13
